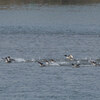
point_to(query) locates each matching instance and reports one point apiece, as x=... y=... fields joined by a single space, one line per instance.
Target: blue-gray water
x=35 y=32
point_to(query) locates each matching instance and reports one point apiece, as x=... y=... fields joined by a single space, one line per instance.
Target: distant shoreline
x=51 y=2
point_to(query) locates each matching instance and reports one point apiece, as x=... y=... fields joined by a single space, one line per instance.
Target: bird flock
x=69 y=60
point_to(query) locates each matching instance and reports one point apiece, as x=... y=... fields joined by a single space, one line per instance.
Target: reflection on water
x=20 y=2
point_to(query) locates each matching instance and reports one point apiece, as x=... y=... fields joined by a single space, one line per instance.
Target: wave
x=58 y=62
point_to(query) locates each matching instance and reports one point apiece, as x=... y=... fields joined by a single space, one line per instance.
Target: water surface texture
x=34 y=31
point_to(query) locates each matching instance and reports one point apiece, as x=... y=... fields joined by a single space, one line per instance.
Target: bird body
x=70 y=57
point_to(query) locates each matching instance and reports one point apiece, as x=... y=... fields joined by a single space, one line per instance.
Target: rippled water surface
x=33 y=32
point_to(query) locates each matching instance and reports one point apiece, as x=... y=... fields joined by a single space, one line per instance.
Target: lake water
x=33 y=32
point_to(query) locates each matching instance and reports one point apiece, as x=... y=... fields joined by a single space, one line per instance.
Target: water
x=32 y=32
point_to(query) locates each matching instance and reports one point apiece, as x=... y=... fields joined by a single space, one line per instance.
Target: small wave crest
x=20 y=60
x=62 y=62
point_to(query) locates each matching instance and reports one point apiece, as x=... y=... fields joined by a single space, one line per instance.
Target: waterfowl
x=40 y=63
x=51 y=61
x=70 y=57
x=8 y=60
x=76 y=65
x=46 y=61
x=93 y=63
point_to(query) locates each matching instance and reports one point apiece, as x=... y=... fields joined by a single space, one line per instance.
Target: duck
x=8 y=59
x=52 y=61
x=41 y=64
x=76 y=65
x=45 y=61
x=93 y=63
x=70 y=57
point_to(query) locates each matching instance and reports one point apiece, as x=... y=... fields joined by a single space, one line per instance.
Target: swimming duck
x=45 y=61
x=93 y=63
x=40 y=63
x=70 y=57
x=76 y=65
x=51 y=61
x=7 y=59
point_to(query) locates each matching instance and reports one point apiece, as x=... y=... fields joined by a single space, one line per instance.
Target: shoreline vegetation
x=50 y=2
